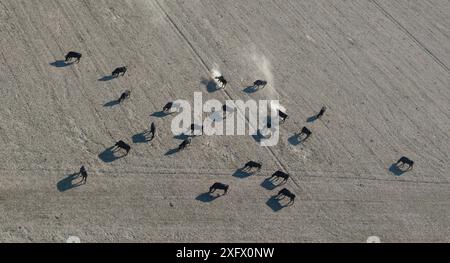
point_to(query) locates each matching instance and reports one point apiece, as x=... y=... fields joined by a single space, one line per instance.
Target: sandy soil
x=381 y=67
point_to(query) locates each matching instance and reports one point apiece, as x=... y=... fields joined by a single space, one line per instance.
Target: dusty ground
x=381 y=67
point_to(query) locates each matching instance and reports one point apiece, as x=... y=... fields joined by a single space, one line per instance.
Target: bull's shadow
x=207 y=197
x=240 y=173
x=141 y=138
x=171 y=152
x=258 y=137
x=211 y=85
x=396 y=170
x=111 y=103
x=106 y=78
x=61 y=64
x=295 y=139
x=250 y=89
x=110 y=155
x=275 y=203
x=270 y=183
x=312 y=119
x=69 y=182
x=181 y=137
x=160 y=114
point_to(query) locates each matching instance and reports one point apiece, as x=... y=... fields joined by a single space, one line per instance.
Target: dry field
x=381 y=67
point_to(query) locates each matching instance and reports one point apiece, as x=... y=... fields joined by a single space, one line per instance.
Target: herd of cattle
x=250 y=166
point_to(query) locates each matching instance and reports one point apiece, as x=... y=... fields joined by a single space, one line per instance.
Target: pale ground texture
x=380 y=66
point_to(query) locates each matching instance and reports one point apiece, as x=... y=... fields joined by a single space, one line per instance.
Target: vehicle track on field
x=146 y=170
x=346 y=58
x=322 y=211
x=411 y=36
x=208 y=70
x=343 y=56
x=96 y=64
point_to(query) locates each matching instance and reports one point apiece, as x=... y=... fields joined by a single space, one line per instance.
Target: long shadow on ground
x=240 y=173
x=160 y=114
x=106 y=78
x=207 y=197
x=258 y=137
x=250 y=90
x=312 y=119
x=171 y=152
x=69 y=182
x=396 y=170
x=268 y=184
x=275 y=203
x=111 y=103
x=211 y=85
x=181 y=137
x=109 y=155
x=60 y=64
x=141 y=138
x=295 y=140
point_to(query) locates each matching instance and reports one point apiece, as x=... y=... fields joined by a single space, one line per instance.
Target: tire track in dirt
x=209 y=70
x=144 y=170
x=36 y=53
x=97 y=66
x=67 y=119
x=340 y=55
x=411 y=36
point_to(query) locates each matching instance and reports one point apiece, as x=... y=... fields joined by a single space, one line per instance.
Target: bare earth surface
x=380 y=66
